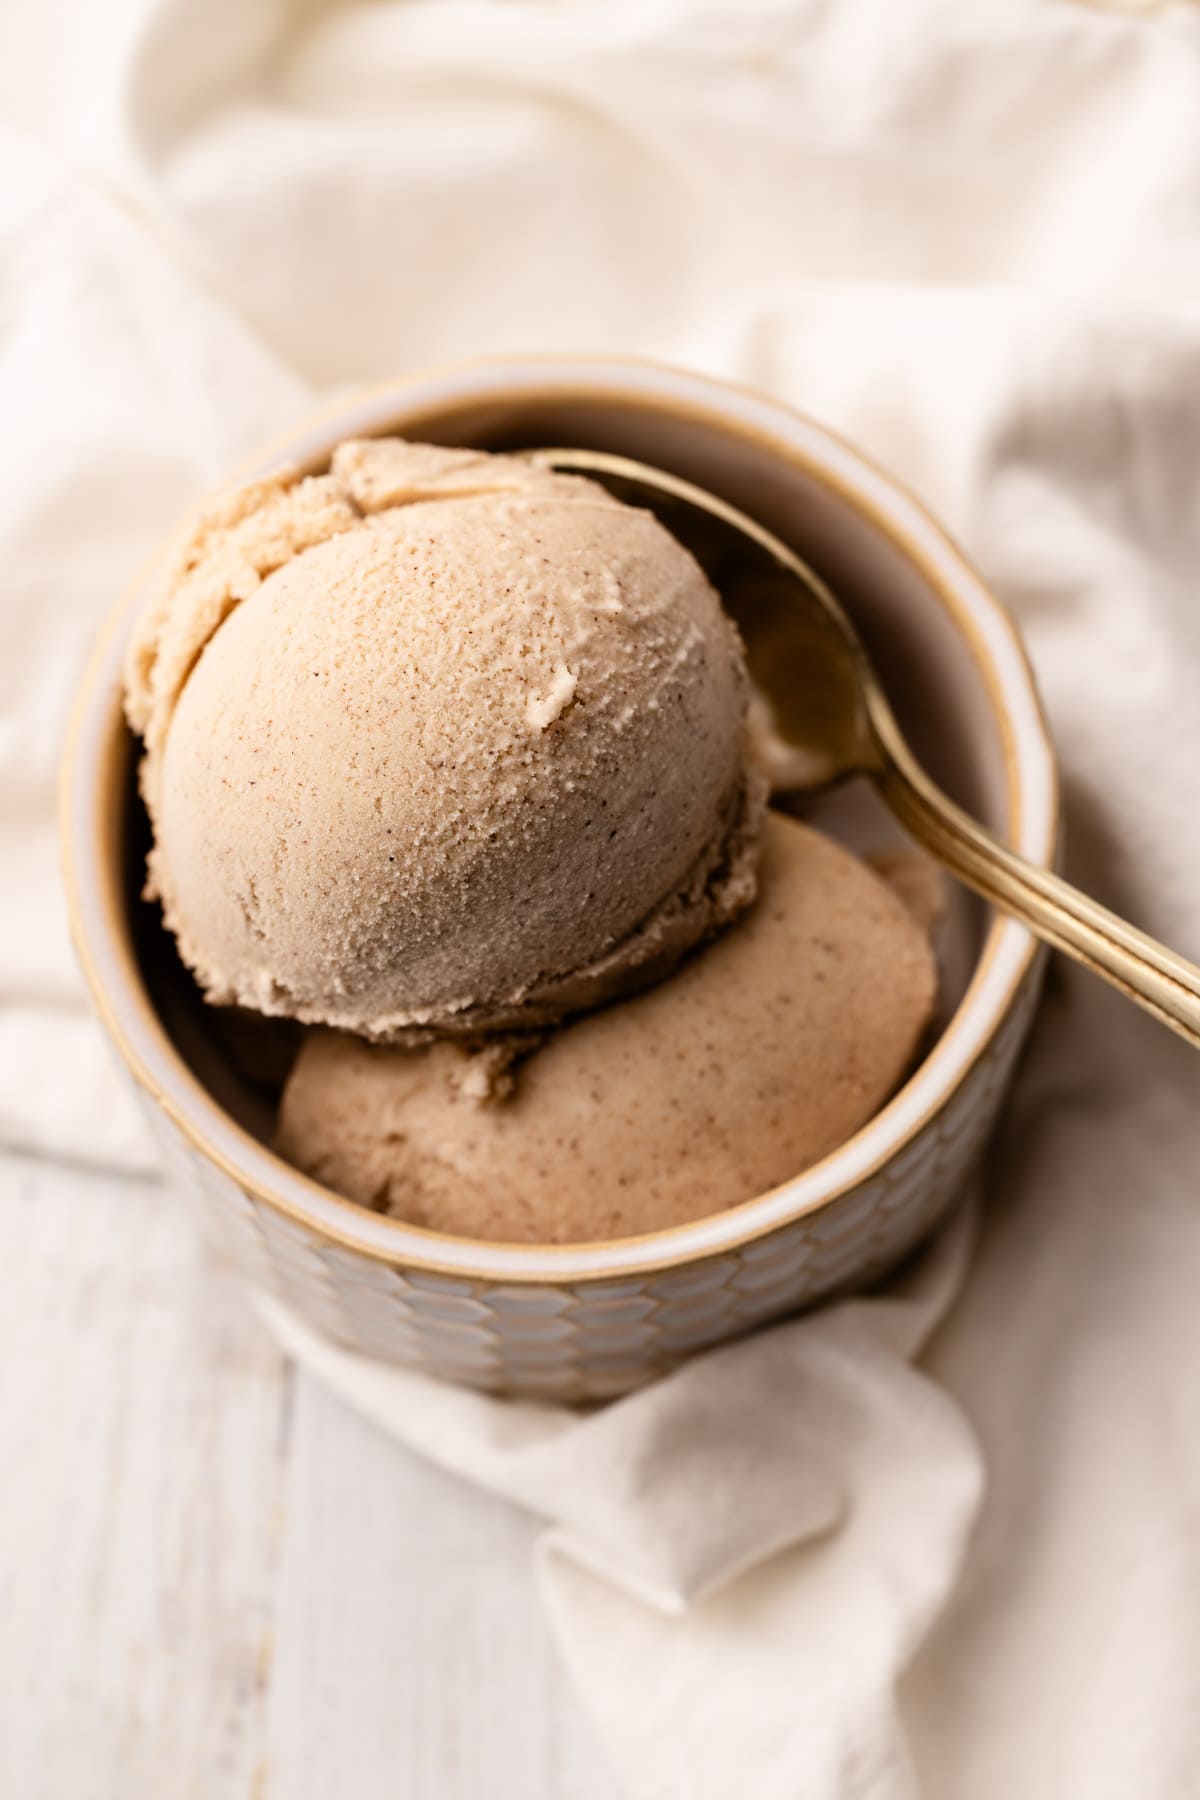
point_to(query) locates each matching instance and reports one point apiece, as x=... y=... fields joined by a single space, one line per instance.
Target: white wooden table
x=216 y=1582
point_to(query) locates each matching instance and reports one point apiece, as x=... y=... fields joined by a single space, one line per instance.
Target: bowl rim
x=1006 y=958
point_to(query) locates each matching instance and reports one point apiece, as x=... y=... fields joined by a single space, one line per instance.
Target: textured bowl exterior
x=592 y=1340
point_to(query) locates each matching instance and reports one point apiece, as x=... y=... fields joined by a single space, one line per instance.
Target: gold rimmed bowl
x=582 y=1322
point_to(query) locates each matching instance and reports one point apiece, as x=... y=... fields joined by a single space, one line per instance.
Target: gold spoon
x=830 y=707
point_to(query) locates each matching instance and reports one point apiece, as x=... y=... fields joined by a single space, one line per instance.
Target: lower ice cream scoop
x=759 y=1056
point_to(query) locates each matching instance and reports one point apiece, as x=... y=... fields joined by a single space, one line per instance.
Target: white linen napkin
x=970 y=238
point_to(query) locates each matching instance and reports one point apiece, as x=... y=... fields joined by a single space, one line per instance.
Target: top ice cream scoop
x=439 y=742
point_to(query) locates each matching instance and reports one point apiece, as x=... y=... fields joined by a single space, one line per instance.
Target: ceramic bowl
x=585 y=1321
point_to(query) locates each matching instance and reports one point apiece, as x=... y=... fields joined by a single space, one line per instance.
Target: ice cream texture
x=759 y=1056
x=439 y=742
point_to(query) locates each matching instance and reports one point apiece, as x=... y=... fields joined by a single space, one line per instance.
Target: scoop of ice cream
x=759 y=1056
x=439 y=742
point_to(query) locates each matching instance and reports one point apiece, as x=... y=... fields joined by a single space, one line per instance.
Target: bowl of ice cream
x=490 y=1023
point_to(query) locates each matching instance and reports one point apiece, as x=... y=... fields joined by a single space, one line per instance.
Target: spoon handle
x=1144 y=970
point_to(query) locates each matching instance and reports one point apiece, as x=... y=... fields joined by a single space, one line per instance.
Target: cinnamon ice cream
x=760 y=1055
x=438 y=742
